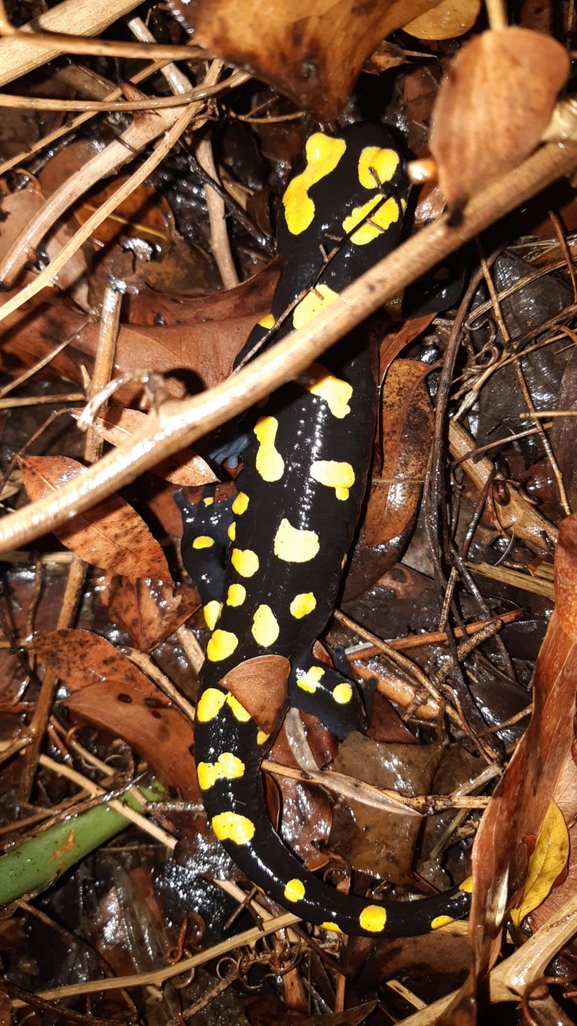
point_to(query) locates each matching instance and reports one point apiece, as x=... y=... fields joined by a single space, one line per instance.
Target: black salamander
x=269 y=564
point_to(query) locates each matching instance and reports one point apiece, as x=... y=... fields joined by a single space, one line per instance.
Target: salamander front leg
x=318 y=689
x=205 y=541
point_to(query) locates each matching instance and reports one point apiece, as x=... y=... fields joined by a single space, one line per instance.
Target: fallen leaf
x=200 y=336
x=145 y=212
x=82 y=659
x=112 y=693
x=407 y=420
x=510 y=79
x=161 y=734
x=547 y=863
x=149 y=611
x=448 y=19
x=519 y=805
x=184 y=468
x=311 y=52
x=111 y=535
x=260 y=685
x=306 y=810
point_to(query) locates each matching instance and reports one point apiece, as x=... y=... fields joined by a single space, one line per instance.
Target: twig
x=433 y=637
x=60 y=30
x=142 y=132
x=496 y=14
x=376 y=797
x=178 y=424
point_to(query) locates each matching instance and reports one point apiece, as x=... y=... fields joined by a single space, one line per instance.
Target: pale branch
x=176 y=424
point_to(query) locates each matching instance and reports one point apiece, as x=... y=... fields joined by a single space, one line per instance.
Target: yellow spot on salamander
x=373 y=918
x=269 y=462
x=467 y=885
x=261 y=737
x=208 y=501
x=221 y=645
x=334 y=391
x=322 y=155
x=315 y=301
x=343 y=693
x=383 y=217
x=303 y=604
x=239 y=712
x=332 y=927
x=232 y=531
x=209 y=704
x=203 y=542
x=293 y=545
x=226 y=767
x=236 y=595
x=244 y=561
x=334 y=474
x=294 y=890
x=267 y=322
x=265 y=629
x=310 y=680
x=229 y=826
x=344 y=561
x=240 y=504
x=441 y=921
x=212 y=612
x=376 y=166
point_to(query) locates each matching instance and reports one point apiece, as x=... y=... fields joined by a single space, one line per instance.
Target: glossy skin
x=294 y=518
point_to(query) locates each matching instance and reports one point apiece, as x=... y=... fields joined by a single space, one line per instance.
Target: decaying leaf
x=112 y=693
x=149 y=611
x=511 y=512
x=184 y=469
x=510 y=80
x=448 y=19
x=111 y=535
x=547 y=863
x=523 y=796
x=407 y=429
x=260 y=685
x=311 y=52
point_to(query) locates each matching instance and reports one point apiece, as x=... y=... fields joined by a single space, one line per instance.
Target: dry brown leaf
x=448 y=19
x=112 y=693
x=512 y=513
x=407 y=420
x=149 y=611
x=507 y=79
x=201 y=335
x=260 y=685
x=184 y=469
x=518 y=807
x=311 y=52
x=82 y=659
x=111 y=535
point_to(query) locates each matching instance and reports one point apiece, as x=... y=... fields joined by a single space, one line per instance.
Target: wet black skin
x=307 y=432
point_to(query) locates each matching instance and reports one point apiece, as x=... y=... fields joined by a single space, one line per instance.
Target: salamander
x=269 y=564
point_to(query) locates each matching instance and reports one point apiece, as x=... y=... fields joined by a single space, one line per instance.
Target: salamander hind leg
x=318 y=689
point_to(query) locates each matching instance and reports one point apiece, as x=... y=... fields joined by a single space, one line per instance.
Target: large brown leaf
x=310 y=51
x=515 y=814
x=510 y=80
x=112 y=693
x=202 y=335
x=149 y=611
x=407 y=430
x=184 y=469
x=111 y=535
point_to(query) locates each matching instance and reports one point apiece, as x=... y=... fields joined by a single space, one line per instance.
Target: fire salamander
x=269 y=565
